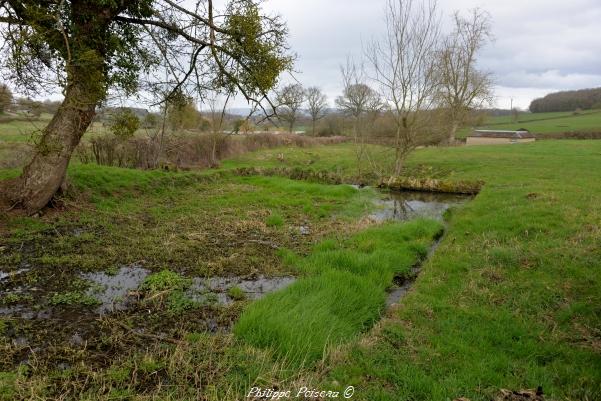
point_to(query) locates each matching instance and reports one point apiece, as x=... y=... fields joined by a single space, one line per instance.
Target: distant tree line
x=584 y=99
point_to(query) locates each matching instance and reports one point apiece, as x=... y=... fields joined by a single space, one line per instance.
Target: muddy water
x=6 y=275
x=217 y=288
x=117 y=291
x=114 y=290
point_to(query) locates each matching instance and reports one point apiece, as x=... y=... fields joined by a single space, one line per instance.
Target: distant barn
x=496 y=137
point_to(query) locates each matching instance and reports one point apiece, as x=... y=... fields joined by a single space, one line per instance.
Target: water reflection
x=409 y=205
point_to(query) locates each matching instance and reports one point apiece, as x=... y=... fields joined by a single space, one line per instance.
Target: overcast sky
x=540 y=46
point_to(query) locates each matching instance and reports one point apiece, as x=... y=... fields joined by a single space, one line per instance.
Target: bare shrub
x=331 y=125
x=187 y=151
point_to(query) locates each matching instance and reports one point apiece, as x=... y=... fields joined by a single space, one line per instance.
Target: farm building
x=495 y=137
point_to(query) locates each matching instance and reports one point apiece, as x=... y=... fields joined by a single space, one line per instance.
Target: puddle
x=6 y=275
x=399 y=290
x=409 y=205
x=112 y=290
x=9 y=310
x=216 y=288
x=116 y=292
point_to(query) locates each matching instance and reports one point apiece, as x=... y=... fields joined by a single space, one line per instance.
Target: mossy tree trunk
x=85 y=53
x=46 y=172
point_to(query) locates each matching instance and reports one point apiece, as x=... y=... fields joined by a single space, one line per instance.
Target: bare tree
x=216 y=116
x=317 y=104
x=289 y=100
x=463 y=87
x=403 y=65
x=357 y=96
x=357 y=101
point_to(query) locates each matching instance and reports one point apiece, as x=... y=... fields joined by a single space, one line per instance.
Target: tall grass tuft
x=342 y=291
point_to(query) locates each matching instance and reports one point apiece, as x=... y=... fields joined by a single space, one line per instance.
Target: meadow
x=544 y=123
x=510 y=299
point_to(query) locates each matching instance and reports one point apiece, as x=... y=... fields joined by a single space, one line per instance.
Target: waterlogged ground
x=153 y=257
x=47 y=307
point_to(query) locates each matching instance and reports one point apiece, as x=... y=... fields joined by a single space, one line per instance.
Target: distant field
x=540 y=123
x=544 y=123
x=21 y=130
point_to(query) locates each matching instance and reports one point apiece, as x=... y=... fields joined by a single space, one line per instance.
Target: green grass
x=21 y=131
x=544 y=123
x=236 y=293
x=174 y=218
x=168 y=287
x=511 y=297
x=165 y=280
x=274 y=220
x=342 y=294
x=8 y=299
x=73 y=298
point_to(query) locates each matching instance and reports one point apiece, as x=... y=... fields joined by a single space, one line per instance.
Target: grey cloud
x=540 y=45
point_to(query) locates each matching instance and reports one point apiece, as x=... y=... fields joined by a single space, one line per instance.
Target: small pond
x=409 y=205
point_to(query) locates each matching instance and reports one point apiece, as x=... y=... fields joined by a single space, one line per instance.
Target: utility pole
x=514 y=113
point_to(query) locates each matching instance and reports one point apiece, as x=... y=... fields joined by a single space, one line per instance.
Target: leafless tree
x=403 y=64
x=216 y=116
x=289 y=100
x=357 y=96
x=317 y=104
x=463 y=87
x=358 y=100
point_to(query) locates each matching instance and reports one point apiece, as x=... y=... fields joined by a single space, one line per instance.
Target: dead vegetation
x=186 y=151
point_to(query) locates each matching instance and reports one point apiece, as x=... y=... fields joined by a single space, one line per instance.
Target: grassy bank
x=342 y=294
x=169 y=219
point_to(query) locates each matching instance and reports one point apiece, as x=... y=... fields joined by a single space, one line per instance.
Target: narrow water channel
x=410 y=205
